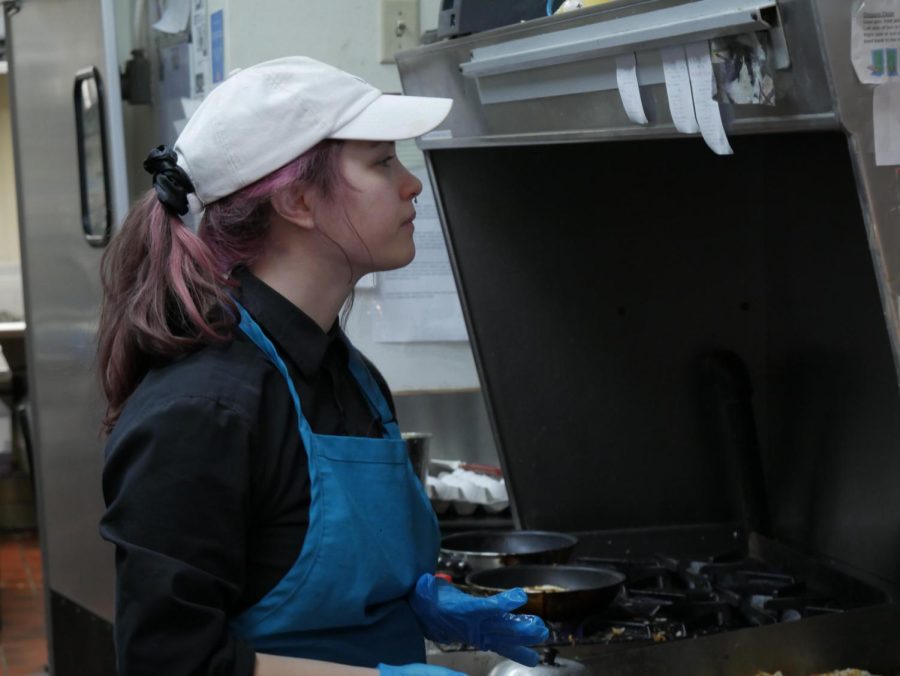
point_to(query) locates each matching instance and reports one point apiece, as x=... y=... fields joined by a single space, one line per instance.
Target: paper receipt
x=709 y=117
x=678 y=89
x=629 y=89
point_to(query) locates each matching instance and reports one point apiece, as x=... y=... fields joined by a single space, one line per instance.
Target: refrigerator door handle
x=93 y=174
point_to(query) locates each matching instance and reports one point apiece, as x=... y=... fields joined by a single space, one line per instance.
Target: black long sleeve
x=177 y=488
x=207 y=487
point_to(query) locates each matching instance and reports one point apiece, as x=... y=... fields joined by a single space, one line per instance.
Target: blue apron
x=372 y=533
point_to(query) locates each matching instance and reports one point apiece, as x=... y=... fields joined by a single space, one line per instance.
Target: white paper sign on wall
x=875 y=41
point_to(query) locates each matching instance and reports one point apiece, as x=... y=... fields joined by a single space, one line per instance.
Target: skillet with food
x=554 y=592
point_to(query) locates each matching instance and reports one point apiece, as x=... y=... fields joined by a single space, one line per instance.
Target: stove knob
x=549 y=657
x=791 y=615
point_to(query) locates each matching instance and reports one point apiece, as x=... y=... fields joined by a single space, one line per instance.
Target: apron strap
x=377 y=401
x=253 y=331
x=370 y=389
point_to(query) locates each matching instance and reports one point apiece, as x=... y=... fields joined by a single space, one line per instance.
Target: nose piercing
x=415 y=200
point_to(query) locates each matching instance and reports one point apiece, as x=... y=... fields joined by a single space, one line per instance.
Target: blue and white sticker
x=217 y=43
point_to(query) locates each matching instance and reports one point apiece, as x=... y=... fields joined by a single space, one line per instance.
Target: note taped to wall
x=629 y=89
x=175 y=17
x=709 y=116
x=678 y=89
x=419 y=303
x=201 y=70
x=886 y=124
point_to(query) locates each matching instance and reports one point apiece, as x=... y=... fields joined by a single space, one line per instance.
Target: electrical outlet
x=399 y=27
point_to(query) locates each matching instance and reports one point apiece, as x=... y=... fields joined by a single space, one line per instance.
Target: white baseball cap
x=262 y=117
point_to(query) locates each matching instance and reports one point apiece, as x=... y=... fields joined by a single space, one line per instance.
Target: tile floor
x=23 y=644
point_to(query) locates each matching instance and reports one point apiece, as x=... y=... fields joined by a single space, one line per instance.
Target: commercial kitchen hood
x=602 y=264
x=683 y=352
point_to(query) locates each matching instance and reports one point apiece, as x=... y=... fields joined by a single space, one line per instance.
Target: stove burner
x=666 y=599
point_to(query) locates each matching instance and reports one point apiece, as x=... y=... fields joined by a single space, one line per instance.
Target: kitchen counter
x=12 y=341
x=10 y=330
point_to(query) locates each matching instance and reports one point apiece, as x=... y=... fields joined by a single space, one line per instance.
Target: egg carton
x=466 y=491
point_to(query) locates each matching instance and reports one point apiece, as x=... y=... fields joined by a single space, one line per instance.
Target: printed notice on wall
x=419 y=303
x=875 y=41
x=201 y=68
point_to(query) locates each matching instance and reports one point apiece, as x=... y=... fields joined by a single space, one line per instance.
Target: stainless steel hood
x=601 y=262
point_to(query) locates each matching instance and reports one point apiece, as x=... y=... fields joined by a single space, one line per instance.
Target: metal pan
x=587 y=590
x=473 y=551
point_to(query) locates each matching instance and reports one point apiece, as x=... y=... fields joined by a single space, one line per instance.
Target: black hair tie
x=170 y=181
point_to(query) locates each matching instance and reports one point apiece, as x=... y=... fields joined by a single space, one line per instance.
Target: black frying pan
x=586 y=589
x=473 y=551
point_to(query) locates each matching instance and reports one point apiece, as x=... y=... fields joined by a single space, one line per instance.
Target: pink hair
x=166 y=290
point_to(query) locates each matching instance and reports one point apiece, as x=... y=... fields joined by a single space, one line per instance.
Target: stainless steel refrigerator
x=72 y=190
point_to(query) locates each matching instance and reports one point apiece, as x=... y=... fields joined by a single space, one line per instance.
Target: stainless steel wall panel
x=833 y=411
x=878 y=186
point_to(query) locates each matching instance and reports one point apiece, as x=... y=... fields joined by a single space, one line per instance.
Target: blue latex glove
x=416 y=670
x=448 y=615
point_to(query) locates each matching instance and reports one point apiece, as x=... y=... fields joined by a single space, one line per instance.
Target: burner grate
x=666 y=599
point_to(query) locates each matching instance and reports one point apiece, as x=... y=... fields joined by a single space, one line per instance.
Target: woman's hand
x=448 y=615
x=416 y=670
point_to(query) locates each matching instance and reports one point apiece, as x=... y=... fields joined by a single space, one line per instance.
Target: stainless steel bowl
x=549 y=664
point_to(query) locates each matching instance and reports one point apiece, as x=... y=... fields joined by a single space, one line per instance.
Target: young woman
x=265 y=515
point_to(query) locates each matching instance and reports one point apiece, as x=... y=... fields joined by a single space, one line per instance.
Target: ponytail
x=163 y=297
x=166 y=290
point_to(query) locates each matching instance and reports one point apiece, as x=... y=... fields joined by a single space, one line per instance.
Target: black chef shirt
x=207 y=486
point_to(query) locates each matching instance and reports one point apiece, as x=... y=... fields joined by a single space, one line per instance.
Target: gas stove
x=749 y=609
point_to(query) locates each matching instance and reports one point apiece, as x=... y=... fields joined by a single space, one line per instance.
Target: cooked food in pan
x=557 y=592
x=543 y=589
x=839 y=672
